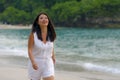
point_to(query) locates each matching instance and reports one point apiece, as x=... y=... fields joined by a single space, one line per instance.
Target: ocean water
x=76 y=49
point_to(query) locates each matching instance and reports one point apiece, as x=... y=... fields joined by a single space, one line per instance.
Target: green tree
x=64 y=13
x=14 y=16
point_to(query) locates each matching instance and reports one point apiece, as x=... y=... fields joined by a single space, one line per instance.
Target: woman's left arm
x=53 y=56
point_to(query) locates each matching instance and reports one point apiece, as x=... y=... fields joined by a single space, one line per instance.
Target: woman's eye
x=41 y=18
x=46 y=18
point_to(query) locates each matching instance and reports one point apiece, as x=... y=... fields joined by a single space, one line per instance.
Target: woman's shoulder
x=31 y=35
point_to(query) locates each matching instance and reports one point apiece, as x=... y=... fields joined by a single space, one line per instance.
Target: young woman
x=41 y=49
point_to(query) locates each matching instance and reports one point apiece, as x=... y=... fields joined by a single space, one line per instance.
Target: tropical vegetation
x=79 y=13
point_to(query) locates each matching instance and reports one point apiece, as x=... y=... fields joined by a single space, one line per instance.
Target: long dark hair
x=51 y=35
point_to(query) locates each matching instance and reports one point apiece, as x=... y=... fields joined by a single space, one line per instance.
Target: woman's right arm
x=30 y=48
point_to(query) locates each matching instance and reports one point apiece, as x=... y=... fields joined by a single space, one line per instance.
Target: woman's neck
x=44 y=34
x=43 y=29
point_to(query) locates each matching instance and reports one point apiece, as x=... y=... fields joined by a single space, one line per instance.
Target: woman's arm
x=30 y=47
x=53 y=56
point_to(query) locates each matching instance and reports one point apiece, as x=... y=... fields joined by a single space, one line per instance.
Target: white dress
x=42 y=53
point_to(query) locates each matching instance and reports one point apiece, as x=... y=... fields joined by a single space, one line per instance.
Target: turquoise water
x=76 y=49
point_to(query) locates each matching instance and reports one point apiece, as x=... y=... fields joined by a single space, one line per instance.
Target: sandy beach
x=15 y=72
x=4 y=26
x=10 y=70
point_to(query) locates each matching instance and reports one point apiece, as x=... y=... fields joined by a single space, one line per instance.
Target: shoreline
x=5 y=26
x=9 y=26
x=18 y=73
x=15 y=71
x=13 y=68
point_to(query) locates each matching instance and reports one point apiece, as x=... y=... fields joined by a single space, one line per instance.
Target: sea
x=76 y=49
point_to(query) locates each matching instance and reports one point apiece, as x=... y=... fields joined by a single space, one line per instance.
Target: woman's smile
x=43 y=20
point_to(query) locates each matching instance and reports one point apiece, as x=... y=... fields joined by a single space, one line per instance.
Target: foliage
x=62 y=12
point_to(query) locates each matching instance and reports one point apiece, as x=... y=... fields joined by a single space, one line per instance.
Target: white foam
x=91 y=66
x=14 y=52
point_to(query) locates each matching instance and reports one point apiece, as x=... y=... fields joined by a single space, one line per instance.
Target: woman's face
x=43 y=20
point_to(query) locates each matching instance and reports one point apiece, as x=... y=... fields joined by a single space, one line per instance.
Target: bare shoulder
x=31 y=36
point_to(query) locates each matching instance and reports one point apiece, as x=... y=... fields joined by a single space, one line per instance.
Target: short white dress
x=42 y=53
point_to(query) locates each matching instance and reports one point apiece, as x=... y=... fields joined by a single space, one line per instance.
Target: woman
x=41 y=49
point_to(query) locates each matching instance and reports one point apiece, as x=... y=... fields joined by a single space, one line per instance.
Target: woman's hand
x=35 y=66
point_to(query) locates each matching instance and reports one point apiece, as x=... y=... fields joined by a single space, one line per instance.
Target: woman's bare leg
x=33 y=79
x=49 y=78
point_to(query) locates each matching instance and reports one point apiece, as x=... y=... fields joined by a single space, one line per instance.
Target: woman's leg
x=33 y=79
x=49 y=78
